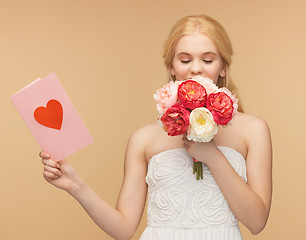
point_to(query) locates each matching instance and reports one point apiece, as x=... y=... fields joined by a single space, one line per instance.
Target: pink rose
x=166 y=96
x=176 y=120
x=221 y=107
x=192 y=94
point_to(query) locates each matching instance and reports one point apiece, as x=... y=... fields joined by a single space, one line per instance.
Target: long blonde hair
x=212 y=29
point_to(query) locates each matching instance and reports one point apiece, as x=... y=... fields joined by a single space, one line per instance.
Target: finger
x=62 y=162
x=53 y=170
x=51 y=163
x=185 y=140
x=49 y=176
x=44 y=154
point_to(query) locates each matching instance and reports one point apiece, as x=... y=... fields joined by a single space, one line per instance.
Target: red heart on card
x=50 y=116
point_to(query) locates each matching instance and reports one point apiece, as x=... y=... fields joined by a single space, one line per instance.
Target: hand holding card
x=51 y=117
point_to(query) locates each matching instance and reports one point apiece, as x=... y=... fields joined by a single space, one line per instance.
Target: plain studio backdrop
x=108 y=57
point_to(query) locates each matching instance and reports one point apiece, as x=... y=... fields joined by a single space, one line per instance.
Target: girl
x=237 y=163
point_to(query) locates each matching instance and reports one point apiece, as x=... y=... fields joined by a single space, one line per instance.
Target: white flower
x=207 y=83
x=202 y=126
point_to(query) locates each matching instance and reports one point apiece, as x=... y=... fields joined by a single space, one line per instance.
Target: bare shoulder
x=141 y=138
x=252 y=125
x=152 y=139
x=143 y=134
x=256 y=133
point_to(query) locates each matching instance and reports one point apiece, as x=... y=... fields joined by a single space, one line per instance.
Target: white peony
x=202 y=126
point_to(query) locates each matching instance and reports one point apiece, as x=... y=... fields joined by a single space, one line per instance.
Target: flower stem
x=198 y=169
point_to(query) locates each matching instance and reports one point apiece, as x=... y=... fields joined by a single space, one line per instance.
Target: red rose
x=176 y=120
x=192 y=94
x=221 y=107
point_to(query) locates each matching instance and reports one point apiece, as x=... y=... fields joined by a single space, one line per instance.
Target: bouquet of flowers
x=195 y=106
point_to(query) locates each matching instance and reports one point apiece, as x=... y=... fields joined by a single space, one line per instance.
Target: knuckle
x=44 y=154
x=53 y=163
x=58 y=172
x=45 y=174
x=48 y=162
x=48 y=174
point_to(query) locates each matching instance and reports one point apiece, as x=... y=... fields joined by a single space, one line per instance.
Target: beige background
x=107 y=55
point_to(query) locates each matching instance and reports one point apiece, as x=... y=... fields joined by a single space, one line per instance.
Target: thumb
x=62 y=161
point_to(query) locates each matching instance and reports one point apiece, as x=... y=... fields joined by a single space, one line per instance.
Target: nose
x=196 y=68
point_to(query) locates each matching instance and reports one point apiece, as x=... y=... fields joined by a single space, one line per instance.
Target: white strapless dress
x=183 y=208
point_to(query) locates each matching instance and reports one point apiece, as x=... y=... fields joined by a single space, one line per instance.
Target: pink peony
x=166 y=96
x=207 y=83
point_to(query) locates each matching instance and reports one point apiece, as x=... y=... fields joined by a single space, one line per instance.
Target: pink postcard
x=51 y=117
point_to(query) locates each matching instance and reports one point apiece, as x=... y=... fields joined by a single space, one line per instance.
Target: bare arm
x=249 y=202
x=120 y=222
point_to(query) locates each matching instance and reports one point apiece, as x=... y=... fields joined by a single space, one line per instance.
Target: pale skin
x=250 y=202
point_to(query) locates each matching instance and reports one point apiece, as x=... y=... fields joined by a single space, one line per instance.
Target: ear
x=223 y=72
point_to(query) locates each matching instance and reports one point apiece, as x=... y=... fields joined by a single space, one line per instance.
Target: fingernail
x=47 y=155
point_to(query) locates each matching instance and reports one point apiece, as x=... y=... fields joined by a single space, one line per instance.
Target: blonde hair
x=212 y=29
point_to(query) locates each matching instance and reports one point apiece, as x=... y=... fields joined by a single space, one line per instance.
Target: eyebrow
x=206 y=53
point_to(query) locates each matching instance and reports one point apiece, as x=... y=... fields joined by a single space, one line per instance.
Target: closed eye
x=208 y=61
x=185 y=61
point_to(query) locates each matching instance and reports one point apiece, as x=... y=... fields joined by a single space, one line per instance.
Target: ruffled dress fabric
x=181 y=207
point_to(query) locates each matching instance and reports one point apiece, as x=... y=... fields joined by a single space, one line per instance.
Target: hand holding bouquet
x=196 y=107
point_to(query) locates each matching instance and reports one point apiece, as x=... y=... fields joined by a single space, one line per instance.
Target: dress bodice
x=177 y=200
